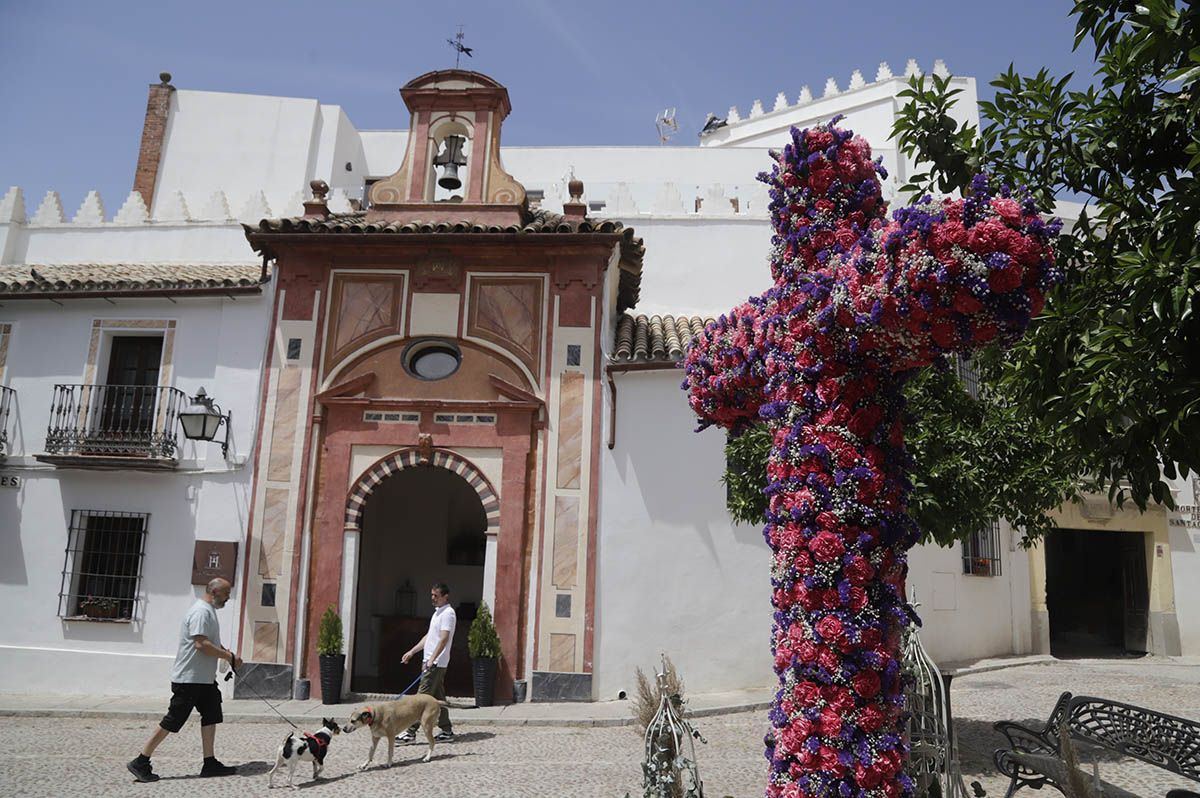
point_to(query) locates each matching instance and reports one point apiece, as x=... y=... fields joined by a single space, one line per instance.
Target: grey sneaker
x=444 y=737
x=405 y=737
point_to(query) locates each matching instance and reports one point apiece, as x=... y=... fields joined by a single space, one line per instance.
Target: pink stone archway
x=411 y=458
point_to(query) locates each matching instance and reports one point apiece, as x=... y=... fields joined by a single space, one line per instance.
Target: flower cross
x=860 y=302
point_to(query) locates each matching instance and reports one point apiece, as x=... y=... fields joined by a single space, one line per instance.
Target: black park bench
x=1035 y=758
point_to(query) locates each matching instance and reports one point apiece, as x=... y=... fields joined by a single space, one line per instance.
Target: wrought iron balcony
x=7 y=396
x=113 y=426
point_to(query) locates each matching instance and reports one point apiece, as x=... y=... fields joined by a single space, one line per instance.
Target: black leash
x=229 y=676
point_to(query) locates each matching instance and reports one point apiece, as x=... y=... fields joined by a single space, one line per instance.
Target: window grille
x=968 y=374
x=103 y=568
x=6 y=399
x=981 y=551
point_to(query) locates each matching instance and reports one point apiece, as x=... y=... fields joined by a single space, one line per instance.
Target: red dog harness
x=317 y=745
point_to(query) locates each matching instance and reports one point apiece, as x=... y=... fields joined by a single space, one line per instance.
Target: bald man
x=194 y=683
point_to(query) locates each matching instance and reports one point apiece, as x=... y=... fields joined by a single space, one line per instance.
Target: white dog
x=307 y=747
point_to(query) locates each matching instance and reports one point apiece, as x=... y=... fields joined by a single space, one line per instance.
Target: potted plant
x=330 y=656
x=100 y=608
x=483 y=646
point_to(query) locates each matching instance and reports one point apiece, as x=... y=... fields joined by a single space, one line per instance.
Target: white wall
x=676 y=575
x=1183 y=528
x=238 y=144
x=673 y=573
x=218 y=344
x=967 y=617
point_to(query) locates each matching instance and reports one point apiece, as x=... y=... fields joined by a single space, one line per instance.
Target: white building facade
x=655 y=563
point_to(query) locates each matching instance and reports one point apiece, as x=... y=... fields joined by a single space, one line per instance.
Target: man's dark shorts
x=205 y=698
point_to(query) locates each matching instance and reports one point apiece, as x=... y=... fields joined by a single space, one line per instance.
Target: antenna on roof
x=460 y=49
x=666 y=125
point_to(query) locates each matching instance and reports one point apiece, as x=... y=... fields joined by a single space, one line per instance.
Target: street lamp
x=203 y=418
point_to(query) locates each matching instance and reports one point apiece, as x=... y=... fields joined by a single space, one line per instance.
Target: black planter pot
x=484 y=671
x=333 y=667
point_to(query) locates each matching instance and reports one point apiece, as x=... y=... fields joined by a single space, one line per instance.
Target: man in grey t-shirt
x=194 y=683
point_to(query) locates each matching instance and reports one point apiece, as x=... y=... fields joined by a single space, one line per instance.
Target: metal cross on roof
x=460 y=49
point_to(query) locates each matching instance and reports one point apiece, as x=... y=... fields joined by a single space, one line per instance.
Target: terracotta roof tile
x=25 y=279
x=649 y=339
x=539 y=222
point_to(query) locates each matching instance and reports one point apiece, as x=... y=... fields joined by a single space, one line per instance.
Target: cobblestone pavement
x=1028 y=694
x=86 y=757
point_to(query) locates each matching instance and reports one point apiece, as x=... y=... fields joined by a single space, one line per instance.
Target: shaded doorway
x=1097 y=593
x=420 y=525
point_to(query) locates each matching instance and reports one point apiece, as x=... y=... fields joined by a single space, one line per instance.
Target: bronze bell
x=450 y=159
x=449 y=179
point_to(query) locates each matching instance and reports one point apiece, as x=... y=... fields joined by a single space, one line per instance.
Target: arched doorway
x=420 y=524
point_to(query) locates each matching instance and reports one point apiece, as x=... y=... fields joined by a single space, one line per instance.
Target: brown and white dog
x=302 y=746
x=391 y=718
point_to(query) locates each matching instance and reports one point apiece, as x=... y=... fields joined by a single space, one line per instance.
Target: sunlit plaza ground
x=62 y=756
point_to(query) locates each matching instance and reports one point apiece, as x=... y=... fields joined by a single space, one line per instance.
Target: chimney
x=154 y=132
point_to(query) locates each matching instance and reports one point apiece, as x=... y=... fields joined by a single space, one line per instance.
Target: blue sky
x=75 y=73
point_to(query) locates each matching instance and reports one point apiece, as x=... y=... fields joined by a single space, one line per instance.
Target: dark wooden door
x=131 y=387
x=1136 y=591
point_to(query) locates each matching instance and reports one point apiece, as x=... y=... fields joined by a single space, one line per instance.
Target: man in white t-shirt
x=435 y=648
x=194 y=683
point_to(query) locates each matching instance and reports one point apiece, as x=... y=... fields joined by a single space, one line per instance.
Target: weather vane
x=460 y=49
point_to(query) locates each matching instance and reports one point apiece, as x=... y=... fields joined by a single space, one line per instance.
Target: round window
x=432 y=360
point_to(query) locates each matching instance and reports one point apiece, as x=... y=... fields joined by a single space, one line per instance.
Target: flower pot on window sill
x=99 y=610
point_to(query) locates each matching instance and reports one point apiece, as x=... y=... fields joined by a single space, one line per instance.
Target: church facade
x=445 y=359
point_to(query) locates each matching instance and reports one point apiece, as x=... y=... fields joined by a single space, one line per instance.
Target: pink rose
x=858 y=570
x=807 y=693
x=831 y=722
x=830 y=762
x=870 y=718
x=866 y=683
x=826 y=547
x=865 y=420
x=830 y=628
x=1008 y=209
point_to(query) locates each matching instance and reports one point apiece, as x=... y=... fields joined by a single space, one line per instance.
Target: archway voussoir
x=408 y=458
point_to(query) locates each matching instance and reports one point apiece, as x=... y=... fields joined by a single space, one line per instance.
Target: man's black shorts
x=206 y=698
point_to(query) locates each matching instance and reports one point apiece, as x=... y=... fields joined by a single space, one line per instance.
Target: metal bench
x=1035 y=757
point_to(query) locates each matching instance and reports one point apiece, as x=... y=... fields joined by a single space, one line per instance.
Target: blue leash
x=414 y=681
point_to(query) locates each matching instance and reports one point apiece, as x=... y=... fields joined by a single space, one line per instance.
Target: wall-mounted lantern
x=203 y=418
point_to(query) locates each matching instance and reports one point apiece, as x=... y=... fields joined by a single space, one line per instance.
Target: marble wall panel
x=283 y=428
x=508 y=312
x=566 y=540
x=570 y=429
x=562 y=652
x=274 y=533
x=365 y=307
x=266 y=641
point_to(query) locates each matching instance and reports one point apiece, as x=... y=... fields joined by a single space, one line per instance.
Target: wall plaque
x=214 y=558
